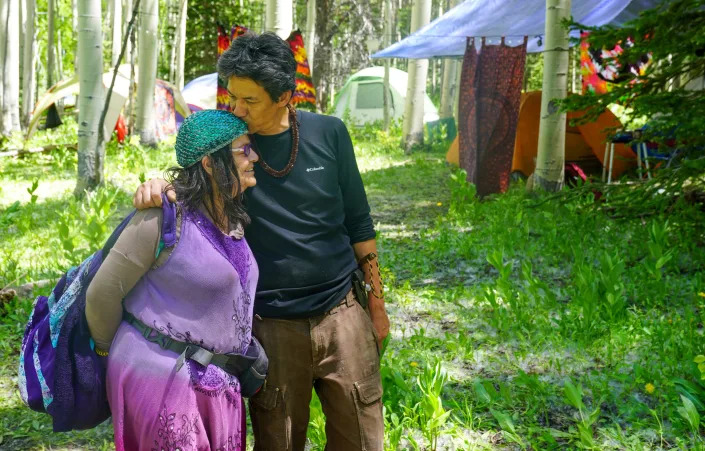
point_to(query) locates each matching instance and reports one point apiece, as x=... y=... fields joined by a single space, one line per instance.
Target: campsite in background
x=539 y=214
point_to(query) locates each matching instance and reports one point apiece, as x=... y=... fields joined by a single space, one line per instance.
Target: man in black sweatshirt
x=311 y=228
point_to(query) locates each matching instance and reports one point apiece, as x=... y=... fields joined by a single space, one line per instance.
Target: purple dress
x=202 y=294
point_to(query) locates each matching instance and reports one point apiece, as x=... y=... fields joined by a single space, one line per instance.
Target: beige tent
x=117 y=100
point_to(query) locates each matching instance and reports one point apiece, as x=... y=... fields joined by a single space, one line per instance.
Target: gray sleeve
x=130 y=258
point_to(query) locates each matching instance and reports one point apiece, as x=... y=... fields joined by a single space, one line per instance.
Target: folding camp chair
x=644 y=151
x=623 y=137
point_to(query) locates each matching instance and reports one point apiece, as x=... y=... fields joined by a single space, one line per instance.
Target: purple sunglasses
x=246 y=149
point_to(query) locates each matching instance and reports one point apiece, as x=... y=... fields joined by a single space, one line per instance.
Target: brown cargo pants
x=336 y=353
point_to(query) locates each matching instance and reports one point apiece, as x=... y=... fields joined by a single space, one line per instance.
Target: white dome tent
x=362 y=97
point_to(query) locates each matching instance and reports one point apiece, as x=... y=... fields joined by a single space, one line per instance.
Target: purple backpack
x=59 y=371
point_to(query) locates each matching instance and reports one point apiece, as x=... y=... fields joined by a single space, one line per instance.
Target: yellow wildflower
x=649 y=387
x=441 y=203
x=414 y=364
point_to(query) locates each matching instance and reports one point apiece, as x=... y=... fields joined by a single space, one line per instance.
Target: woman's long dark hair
x=193 y=188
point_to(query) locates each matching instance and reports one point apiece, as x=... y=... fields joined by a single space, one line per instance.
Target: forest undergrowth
x=518 y=321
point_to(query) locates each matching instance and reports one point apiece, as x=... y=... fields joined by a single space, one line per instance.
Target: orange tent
x=584 y=144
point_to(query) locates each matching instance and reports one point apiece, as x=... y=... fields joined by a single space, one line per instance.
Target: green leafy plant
x=98 y=208
x=433 y=415
x=690 y=415
x=506 y=423
x=585 y=434
x=31 y=190
x=700 y=360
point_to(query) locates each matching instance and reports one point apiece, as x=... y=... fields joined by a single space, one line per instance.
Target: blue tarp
x=512 y=19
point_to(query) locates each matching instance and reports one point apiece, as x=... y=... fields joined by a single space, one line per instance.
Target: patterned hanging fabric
x=490 y=94
x=224 y=40
x=305 y=94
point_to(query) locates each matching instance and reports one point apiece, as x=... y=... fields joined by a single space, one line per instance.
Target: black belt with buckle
x=250 y=368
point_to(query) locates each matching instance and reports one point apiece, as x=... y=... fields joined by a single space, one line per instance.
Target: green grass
x=516 y=323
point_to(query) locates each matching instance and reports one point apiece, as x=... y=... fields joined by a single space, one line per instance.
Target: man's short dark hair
x=264 y=58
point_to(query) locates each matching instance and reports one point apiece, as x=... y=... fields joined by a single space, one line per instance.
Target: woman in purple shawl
x=199 y=291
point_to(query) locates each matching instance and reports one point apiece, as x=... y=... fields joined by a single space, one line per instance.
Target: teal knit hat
x=205 y=132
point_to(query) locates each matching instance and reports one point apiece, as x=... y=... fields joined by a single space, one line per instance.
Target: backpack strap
x=169 y=222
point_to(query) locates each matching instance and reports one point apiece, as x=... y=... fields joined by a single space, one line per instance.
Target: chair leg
x=646 y=161
x=604 y=163
x=638 y=161
x=609 y=171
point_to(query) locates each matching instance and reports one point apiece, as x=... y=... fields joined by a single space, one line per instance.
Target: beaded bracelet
x=101 y=353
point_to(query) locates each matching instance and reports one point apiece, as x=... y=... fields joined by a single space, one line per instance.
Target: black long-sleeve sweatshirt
x=303 y=224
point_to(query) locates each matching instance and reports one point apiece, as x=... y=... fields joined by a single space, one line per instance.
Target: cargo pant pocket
x=268 y=412
x=368 y=405
x=366 y=319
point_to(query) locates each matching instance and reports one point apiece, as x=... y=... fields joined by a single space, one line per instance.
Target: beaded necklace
x=294 y=147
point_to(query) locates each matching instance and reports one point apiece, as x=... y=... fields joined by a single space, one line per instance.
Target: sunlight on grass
x=514 y=321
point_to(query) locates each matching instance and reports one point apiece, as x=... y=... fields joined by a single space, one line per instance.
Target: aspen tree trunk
x=59 y=60
x=91 y=97
x=29 y=73
x=181 y=46
x=51 y=22
x=416 y=89
x=449 y=84
x=456 y=97
x=131 y=53
x=4 y=10
x=116 y=25
x=149 y=19
x=449 y=87
x=310 y=32
x=167 y=37
x=550 y=159
x=128 y=13
x=387 y=40
x=324 y=55
x=74 y=27
x=10 y=112
x=279 y=17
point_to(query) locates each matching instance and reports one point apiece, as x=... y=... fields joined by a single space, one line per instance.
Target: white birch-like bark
x=51 y=50
x=116 y=25
x=92 y=96
x=181 y=46
x=449 y=82
x=387 y=40
x=59 y=60
x=310 y=32
x=4 y=10
x=279 y=17
x=29 y=73
x=10 y=112
x=416 y=88
x=148 y=46
x=449 y=87
x=127 y=9
x=173 y=18
x=456 y=98
x=74 y=27
x=550 y=159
